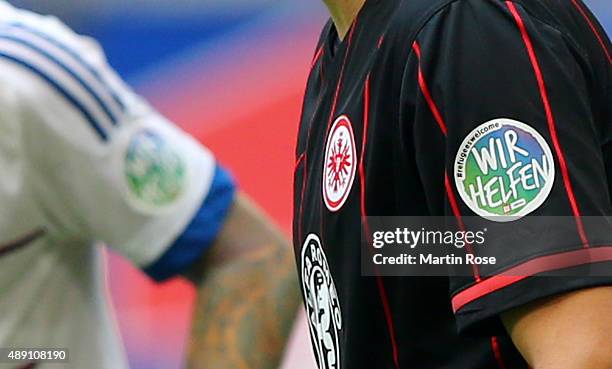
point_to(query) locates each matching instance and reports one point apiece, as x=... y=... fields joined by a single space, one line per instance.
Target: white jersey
x=82 y=160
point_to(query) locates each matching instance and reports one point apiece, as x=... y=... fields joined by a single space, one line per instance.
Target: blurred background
x=232 y=73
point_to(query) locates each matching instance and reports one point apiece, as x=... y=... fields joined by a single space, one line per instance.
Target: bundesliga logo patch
x=339 y=164
x=504 y=170
x=155 y=173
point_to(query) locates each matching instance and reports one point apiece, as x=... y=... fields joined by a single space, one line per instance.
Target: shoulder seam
x=413 y=37
x=563 y=34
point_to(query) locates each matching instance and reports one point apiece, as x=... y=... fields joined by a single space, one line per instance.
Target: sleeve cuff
x=481 y=316
x=201 y=232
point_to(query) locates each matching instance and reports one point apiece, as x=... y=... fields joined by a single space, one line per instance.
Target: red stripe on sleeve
x=317 y=56
x=379 y=281
x=425 y=90
x=497 y=352
x=438 y=117
x=457 y=213
x=532 y=267
x=550 y=120
x=593 y=28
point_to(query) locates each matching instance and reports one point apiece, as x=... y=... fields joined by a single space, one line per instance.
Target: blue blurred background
x=224 y=70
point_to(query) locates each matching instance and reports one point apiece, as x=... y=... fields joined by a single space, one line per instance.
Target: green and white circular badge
x=504 y=170
x=154 y=171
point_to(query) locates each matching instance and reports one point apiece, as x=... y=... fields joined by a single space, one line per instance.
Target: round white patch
x=155 y=173
x=339 y=164
x=504 y=170
x=322 y=304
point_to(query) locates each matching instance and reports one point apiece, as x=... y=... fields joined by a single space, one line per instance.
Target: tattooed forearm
x=244 y=312
x=246 y=303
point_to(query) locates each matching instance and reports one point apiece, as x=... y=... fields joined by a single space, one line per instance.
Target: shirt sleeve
x=500 y=106
x=105 y=166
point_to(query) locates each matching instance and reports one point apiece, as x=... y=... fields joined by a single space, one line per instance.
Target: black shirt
x=395 y=123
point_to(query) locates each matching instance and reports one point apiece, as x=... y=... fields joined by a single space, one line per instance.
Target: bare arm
x=571 y=331
x=247 y=295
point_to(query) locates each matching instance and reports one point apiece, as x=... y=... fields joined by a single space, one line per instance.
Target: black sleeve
x=498 y=104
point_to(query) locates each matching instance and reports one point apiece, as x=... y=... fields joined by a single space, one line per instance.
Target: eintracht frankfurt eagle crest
x=339 y=164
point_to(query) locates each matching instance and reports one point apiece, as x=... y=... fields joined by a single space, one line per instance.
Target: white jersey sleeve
x=104 y=165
